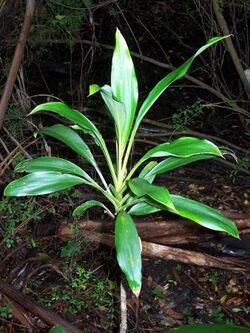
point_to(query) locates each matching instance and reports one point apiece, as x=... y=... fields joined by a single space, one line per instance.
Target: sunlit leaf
x=47 y=163
x=123 y=81
x=141 y=187
x=128 y=248
x=143 y=208
x=76 y=117
x=145 y=172
x=203 y=215
x=172 y=163
x=38 y=183
x=65 y=111
x=86 y=205
x=117 y=112
x=183 y=147
x=71 y=139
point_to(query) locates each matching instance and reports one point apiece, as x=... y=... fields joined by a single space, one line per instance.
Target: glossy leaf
x=123 y=80
x=145 y=172
x=128 y=249
x=143 y=208
x=141 y=187
x=71 y=139
x=208 y=328
x=47 y=163
x=86 y=205
x=172 y=163
x=169 y=79
x=38 y=183
x=182 y=147
x=203 y=215
x=77 y=118
x=73 y=115
x=117 y=112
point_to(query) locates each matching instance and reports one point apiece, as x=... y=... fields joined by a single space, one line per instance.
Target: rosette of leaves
x=131 y=192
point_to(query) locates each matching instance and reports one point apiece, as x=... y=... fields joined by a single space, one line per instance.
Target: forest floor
x=80 y=279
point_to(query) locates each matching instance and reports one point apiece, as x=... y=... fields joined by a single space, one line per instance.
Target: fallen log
x=167 y=232
x=164 y=252
x=157 y=235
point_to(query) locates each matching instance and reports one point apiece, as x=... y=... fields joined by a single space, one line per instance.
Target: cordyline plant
x=131 y=191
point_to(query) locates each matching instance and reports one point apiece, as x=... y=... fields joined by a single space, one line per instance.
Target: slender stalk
x=123 y=297
x=108 y=159
x=102 y=179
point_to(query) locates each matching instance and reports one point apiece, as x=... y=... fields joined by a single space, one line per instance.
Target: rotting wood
x=49 y=317
x=166 y=232
x=29 y=13
x=155 y=236
x=164 y=252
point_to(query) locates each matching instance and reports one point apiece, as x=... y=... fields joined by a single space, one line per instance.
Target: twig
x=26 y=154
x=30 y=9
x=49 y=317
x=231 y=49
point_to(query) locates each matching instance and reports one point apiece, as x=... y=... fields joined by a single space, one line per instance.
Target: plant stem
x=123 y=324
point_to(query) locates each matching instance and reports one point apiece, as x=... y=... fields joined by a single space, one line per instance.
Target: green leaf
x=52 y=164
x=73 y=115
x=169 y=79
x=71 y=249
x=117 y=111
x=123 y=80
x=38 y=183
x=93 y=89
x=145 y=172
x=86 y=205
x=128 y=248
x=57 y=329
x=182 y=147
x=82 y=123
x=141 y=187
x=143 y=208
x=203 y=215
x=172 y=163
x=71 y=139
x=208 y=328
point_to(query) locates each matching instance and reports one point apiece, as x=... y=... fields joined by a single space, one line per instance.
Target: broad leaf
x=73 y=115
x=117 y=112
x=182 y=147
x=128 y=248
x=203 y=215
x=71 y=139
x=172 y=163
x=38 y=183
x=52 y=164
x=143 y=208
x=169 y=79
x=208 y=328
x=86 y=205
x=145 y=172
x=76 y=117
x=141 y=187
x=123 y=81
